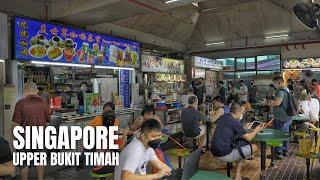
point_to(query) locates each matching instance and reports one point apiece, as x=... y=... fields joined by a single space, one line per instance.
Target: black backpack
x=293 y=104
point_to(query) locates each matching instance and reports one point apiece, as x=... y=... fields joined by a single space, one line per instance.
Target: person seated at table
x=147 y=113
x=139 y=152
x=191 y=121
x=6 y=165
x=309 y=107
x=109 y=120
x=98 y=120
x=219 y=108
x=231 y=142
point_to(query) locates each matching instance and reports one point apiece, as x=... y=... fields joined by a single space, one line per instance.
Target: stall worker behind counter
x=139 y=152
x=84 y=89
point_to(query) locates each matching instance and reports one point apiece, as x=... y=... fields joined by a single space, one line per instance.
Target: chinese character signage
x=125 y=87
x=163 y=65
x=207 y=63
x=41 y=41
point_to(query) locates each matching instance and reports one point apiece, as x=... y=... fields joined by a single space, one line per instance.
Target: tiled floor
x=291 y=168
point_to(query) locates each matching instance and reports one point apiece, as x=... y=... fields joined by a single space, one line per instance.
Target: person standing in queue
x=222 y=91
x=243 y=91
x=139 y=152
x=31 y=110
x=200 y=91
x=231 y=142
x=290 y=85
x=281 y=120
x=253 y=92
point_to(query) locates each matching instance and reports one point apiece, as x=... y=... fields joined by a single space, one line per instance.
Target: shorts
x=202 y=131
x=235 y=154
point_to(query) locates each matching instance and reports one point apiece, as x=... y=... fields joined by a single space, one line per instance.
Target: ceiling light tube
x=2 y=61
x=215 y=43
x=61 y=64
x=108 y=67
x=171 y=1
x=277 y=36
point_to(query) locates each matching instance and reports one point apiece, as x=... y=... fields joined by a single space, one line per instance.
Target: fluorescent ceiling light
x=108 y=67
x=277 y=36
x=61 y=64
x=195 y=4
x=2 y=61
x=215 y=43
x=171 y=1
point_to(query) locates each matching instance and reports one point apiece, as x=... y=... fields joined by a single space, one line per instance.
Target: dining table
x=267 y=135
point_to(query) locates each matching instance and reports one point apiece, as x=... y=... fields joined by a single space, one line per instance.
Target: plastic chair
x=273 y=144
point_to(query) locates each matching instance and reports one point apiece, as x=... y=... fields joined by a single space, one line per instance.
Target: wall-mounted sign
x=198 y=73
x=42 y=41
x=302 y=63
x=207 y=63
x=163 y=65
x=161 y=77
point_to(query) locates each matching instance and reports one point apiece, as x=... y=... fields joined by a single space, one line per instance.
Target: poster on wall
x=163 y=65
x=301 y=63
x=198 y=73
x=161 y=77
x=42 y=41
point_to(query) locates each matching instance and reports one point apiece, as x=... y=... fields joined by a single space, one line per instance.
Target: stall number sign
x=207 y=63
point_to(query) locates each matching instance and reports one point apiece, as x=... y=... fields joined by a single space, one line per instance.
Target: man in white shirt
x=135 y=157
x=243 y=91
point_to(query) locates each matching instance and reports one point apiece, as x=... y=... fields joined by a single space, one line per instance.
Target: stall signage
x=207 y=63
x=125 y=87
x=42 y=41
x=161 y=77
x=301 y=63
x=198 y=73
x=163 y=65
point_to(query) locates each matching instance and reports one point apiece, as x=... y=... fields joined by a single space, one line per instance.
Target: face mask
x=83 y=88
x=154 y=144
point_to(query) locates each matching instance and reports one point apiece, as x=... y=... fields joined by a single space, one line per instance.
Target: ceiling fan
x=308 y=14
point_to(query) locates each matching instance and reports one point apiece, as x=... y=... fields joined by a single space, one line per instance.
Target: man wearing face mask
x=228 y=130
x=139 y=152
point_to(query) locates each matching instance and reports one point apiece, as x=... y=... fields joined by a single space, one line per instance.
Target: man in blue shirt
x=281 y=120
x=228 y=129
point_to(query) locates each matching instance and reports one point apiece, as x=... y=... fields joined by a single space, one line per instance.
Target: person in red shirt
x=316 y=88
x=31 y=110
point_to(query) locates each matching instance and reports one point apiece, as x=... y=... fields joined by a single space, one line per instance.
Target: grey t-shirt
x=279 y=112
x=134 y=158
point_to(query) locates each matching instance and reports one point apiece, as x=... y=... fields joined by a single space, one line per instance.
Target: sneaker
x=285 y=154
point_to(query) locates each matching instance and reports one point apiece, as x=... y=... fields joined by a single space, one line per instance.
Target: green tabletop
x=272 y=134
x=300 y=118
x=179 y=152
x=201 y=175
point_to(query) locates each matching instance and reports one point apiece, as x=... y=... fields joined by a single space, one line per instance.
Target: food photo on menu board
x=302 y=63
x=42 y=41
x=164 y=65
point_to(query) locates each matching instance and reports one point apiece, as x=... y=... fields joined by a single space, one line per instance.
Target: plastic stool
x=180 y=153
x=100 y=176
x=274 y=144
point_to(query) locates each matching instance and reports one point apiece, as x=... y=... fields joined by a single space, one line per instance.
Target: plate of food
x=55 y=53
x=307 y=63
x=294 y=63
x=37 y=51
